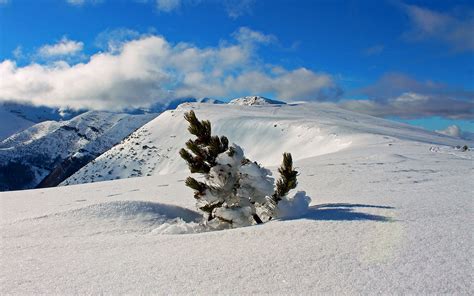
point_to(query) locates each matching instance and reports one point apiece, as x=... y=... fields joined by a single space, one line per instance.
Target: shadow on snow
x=344 y=212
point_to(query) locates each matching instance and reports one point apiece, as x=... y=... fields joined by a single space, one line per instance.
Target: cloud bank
x=457 y=31
x=396 y=94
x=149 y=69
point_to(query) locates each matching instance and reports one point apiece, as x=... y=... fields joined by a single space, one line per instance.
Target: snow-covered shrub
x=235 y=191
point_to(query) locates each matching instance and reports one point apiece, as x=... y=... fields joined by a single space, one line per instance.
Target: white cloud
x=233 y=8
x=248 y=36
x=75 y=2
x=150 y=69
x=452 y=131
x=396 y=94
x=113 y=40
x=18 y=52
x=429 y=24
x=64 y=47
x=414 y=105
x=238 y=8
x=455 y=131
x=374 y=50
x=168 y=5
x=79 y=3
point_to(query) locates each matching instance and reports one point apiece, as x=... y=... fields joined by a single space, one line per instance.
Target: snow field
x=390 y=214
x=384 y=219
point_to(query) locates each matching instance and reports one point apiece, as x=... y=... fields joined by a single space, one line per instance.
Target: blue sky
x=411 y=60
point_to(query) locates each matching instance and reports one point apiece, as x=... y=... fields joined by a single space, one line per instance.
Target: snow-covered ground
x=391 y=213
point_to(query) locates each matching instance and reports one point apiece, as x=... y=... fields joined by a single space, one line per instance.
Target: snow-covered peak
x=254 y=101
x=210 y=101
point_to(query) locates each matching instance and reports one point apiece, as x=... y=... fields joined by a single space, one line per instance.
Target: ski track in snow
x=388 y=216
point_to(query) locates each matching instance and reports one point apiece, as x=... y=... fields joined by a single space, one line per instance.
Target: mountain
x=48 y=152
x=161 y=107
x=264 y=132
x=254 y=101
x=390 y=213
x=15 y=117
x=10 y=123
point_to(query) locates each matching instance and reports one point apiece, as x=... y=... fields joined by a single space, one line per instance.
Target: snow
x=390 y=213
x=264 y=132
x=10 y=123
x=254 y=101
x=43 y=146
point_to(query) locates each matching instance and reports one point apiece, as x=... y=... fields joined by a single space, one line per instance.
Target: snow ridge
x=35 y=152
x=264 y=132
x=254 y=101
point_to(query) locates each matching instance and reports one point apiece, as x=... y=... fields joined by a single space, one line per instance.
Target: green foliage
x=287 y=179
x=203 y=150
x=199 y=187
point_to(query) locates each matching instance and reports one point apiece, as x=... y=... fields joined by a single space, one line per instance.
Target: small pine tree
x=236 y=191
x=287 y=179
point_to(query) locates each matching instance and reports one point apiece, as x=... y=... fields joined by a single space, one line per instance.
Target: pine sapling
x=235 y=191
x=287 y=179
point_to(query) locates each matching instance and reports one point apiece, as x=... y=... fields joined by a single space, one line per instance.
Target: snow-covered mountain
x=10 y=123
x=38 y=114
x=15 y=117
x=264 y=132
x=254 y=101
x=46 y=153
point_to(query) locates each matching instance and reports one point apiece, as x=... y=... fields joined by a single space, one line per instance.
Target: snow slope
x=263 y=131
x=10 y=123
x=15 y=117
x=389 y=216
x=39 y=114
x=28 y=157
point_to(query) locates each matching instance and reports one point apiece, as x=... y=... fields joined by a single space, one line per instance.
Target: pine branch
x=201 y=129
x=195 y=163
x=287 y=179
x=205 y=148
x=196 y=149
x=209 y=208
x=199 y=187
x=216 y=146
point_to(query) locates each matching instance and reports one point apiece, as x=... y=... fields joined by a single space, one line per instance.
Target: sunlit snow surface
x=389 y=215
